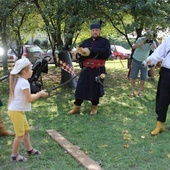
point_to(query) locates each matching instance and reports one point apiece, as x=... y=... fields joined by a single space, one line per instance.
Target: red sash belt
x=93 y=63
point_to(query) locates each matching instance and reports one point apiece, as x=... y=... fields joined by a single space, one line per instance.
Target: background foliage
x=65 y=23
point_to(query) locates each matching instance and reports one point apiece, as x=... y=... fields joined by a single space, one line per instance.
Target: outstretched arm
x=32 y=97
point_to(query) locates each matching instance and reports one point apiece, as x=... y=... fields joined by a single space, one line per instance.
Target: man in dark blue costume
x=93 y=53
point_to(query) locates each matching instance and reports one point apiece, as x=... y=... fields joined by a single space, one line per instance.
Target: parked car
x=119 y=52
x=12 y=57
x=10 y=54
x=49 y=52
x=32 y=52
x=73 y=53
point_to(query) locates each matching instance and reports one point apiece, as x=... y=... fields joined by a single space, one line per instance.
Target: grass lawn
x=118 y=136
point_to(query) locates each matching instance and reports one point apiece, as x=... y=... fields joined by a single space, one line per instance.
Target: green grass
x=112 y=137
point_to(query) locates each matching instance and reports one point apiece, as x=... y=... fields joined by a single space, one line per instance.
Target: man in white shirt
x=161 y=53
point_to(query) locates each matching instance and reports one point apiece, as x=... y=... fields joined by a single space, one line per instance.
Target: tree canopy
x=66 y=22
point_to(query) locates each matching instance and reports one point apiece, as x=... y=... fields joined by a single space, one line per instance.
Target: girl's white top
x=161 y=53
x=19 y=102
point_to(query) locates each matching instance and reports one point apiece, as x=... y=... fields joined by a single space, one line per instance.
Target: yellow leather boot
x=158 y=129
x=3 y=132
x=93 y=110
x=75 y=110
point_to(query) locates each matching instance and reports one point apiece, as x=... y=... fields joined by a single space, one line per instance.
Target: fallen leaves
x=126 y=146
x=142 y=137
x=86 y=152
x=126 y=136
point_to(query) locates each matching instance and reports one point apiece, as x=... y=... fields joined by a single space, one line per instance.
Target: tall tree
x=127 y=16
x=4 y=13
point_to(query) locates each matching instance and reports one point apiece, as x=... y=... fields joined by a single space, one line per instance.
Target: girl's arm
x=32 y=97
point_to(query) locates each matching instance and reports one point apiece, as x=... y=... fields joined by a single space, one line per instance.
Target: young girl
x=20 y=99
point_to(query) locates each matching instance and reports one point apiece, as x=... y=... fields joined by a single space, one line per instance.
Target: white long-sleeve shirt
x=161 y=53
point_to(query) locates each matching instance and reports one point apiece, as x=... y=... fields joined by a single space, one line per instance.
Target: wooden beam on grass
x=79 y=155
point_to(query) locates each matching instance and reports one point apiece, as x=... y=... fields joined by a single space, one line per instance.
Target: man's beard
x=95 y=37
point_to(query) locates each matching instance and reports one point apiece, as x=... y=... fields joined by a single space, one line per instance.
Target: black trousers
x=78 y=102
x=163 y=94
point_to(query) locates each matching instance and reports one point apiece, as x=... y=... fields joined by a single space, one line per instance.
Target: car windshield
x=34 y=50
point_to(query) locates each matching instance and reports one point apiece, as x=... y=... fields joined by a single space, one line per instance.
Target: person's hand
x=83 y=51
x=148 y=62
x=152 y=46
x=43 y=93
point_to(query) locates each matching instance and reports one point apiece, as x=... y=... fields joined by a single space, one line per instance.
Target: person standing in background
x=142 y=47
x=93 y=53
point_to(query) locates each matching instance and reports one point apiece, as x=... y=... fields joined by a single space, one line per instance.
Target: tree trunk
x=4 y=45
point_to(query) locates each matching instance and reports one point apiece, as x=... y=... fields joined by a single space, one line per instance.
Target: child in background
x=20 y=99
